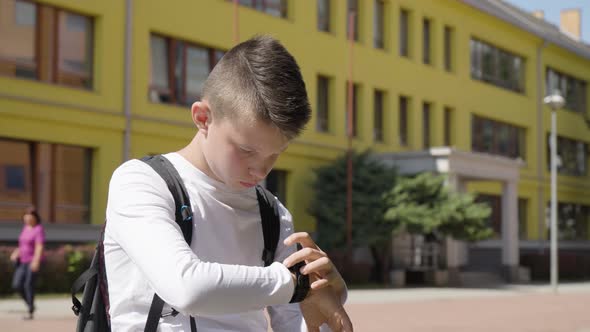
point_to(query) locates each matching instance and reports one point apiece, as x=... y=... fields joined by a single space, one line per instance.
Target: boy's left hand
x=319 y=267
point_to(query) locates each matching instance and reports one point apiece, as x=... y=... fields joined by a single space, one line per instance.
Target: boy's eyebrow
x=248 y=147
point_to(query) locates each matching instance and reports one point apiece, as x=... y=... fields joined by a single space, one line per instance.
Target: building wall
x=44 y=112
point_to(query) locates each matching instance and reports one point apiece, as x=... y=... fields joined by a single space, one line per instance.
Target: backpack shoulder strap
x=269 y=213
x=183 y=210
x=183 y=217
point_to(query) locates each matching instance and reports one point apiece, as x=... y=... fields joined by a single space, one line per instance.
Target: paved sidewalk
x=511 y=308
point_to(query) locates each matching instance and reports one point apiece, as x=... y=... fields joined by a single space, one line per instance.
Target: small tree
x=424 y=205
x=370 y=181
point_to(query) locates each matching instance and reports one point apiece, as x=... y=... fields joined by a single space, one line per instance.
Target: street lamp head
x=554 y=100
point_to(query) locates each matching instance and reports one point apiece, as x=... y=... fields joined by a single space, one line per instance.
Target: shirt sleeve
x=141 y=221
x=285 y=317
x=40 y=235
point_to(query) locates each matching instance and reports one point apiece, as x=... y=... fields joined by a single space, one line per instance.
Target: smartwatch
x=301 y=283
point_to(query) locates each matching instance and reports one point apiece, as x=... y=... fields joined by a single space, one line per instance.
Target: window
x=404 y=33
x=497 y=138
x=323 y=117
x=495 y=66
x=354 y=126
x=54 y=177
x=379 y=97
x=448 y=125
x=46 y=43
x=495 y=219
x=403 y=120
x=324 y=15
x=276 y=183
x=277 y=8
x=179 y=70
x=573 y=221
x=378 y=24
x=74 y=59
x=19 y=35
x=448 y=48
x=573 y=155
x=426 y=125
x=353 y=7
x=426 y=56
x=71 y=184
x=572 y=89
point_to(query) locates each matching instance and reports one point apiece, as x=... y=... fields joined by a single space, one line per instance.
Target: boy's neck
x=194 y=154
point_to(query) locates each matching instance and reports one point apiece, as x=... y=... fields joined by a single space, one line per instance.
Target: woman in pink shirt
x=27 y=258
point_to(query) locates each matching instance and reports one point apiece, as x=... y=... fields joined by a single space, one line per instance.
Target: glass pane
x=426 y=41
x=159 y=77
x=72 y=184
x=504 y=142
x=75 y=50
x=197 y=69
x=324 y=15
x=322 y=116
x=488 y=62
x=218 y=55
x=179 y=72
x=447 y=48
x=581 y=158
x=403 y=121
x=505 y=70
x=18 y=34
x=378 y=117
x=159 y=62
x=488 y=136
x=352 y=8
x=378 y=24
x=16 y=191
x=403 y=33
x=276 y=8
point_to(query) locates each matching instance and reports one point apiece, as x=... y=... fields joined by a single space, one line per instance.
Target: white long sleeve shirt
x=220 y=279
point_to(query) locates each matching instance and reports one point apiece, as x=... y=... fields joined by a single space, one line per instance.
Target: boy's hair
x=261 y=77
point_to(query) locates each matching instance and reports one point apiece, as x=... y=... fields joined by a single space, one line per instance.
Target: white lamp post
x=555 y=101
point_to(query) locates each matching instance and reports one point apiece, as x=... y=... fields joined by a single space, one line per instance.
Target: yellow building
x=86 y=85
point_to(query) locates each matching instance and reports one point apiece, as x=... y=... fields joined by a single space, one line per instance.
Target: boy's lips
x=247 y=184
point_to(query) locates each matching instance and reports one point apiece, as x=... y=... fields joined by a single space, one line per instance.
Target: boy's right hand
x=324 y=306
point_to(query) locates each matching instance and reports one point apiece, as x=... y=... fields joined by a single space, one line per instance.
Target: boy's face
x=239 y=153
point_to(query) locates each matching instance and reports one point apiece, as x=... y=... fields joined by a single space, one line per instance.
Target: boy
x=254 y=102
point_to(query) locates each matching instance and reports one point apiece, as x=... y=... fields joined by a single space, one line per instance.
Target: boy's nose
x=258 y=173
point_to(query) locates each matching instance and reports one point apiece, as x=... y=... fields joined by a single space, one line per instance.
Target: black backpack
x=93 y=311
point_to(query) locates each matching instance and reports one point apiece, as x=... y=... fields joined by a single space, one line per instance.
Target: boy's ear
x=201 y=115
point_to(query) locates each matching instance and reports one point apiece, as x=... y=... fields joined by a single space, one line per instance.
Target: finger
x=305 y=254
x=346 y=322
x=319 y=284
x=312 y=328
x=335 y=325
x=321 y=266
x=302 y=238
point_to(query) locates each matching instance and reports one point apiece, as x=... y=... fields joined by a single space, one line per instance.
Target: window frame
x=177 y=97
x=378 y=115
x=485 y=66
x=323 y=116
x=46 y=45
